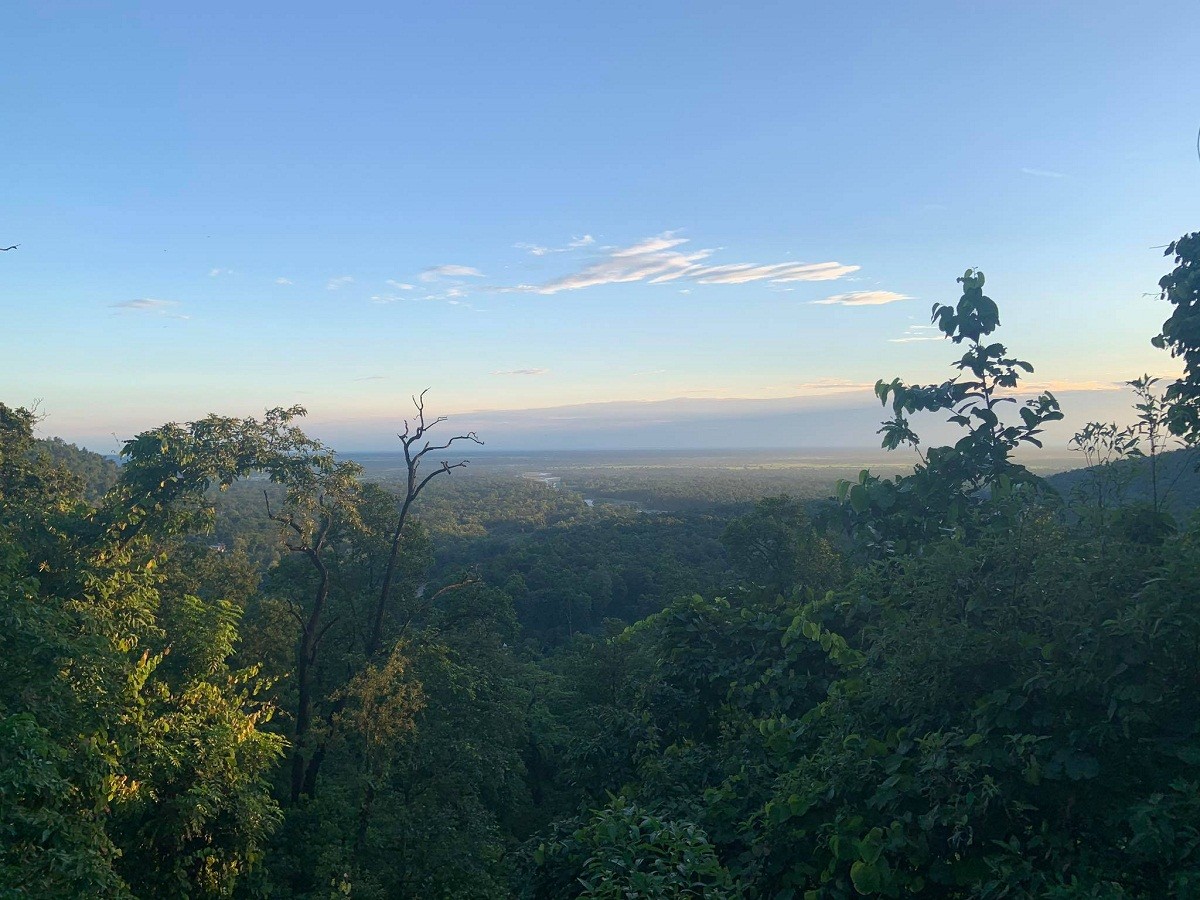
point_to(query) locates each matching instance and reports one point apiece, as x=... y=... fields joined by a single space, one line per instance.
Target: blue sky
x=224 y=207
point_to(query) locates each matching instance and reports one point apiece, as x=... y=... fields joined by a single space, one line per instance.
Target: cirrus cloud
x=659 y=259
x=146 y=304
x=862 y=298
x=523 y=372
x=1042 y=173
x=575 y=243
x=150 y=305
x=434 y=273
x=914 y=334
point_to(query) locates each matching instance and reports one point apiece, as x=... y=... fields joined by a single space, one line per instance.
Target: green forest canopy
x=963 y=680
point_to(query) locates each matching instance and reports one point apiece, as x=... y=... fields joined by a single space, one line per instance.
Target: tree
x=135 y=756
x=1014 y=725
x=623 y=851
x=1135 y=456
x=415 y=483
x=318 y=500
x=777 y=548
x=1181 y=334
x=329 y=501
x=949 y=487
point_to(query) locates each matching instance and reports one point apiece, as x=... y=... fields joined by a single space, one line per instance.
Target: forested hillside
x=99 y=473
x=238 y=667
x=1173 y=482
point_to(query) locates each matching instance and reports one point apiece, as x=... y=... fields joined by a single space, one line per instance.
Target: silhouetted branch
x=413 y=432
x=289 y=520
x=470 y=579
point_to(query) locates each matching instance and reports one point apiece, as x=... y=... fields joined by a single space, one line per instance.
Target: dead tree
x=411 y=439
x=414 y=433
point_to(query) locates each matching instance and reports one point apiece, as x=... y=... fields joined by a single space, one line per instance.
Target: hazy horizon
x=784 y=426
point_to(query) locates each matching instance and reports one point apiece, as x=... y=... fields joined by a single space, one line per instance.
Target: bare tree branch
x=415 y=485
x=469 y=579
x=446 y=467
x=472 y=578
x=469 y=436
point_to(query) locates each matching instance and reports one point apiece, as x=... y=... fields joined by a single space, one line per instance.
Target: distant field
x=654 y=480
x=504 y=492
x=676 y=481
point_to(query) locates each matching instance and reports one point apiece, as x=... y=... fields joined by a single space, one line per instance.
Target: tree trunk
x=306 y=657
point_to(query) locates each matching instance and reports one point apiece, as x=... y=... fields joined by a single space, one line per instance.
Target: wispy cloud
x=779 y=273
x=150 y=305
x=574 y=244
x=450 y=271
x=146 y=304
x=1042 y=173
x=523 y=372
x=647 y=372
x=407 y=288
x=656 y=244
x=284 y=281
x=214 y=273
x=336 y=284
x=862 y=298
x=656 y=260
x=450 y=293
x=454 y=295
x=370 y=378
x=918 y=333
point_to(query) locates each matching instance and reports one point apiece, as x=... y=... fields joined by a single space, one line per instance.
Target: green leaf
x=871 y=847
x=867 y=877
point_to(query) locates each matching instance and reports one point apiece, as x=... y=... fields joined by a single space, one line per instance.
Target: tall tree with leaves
x=1180 y=334
x=135 y=754
x=950 y=483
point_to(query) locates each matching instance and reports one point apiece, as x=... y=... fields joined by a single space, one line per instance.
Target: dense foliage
x=134 y=750
x=235 y=667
